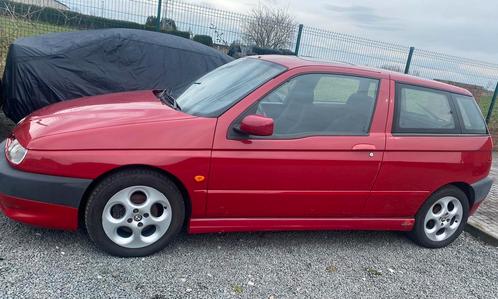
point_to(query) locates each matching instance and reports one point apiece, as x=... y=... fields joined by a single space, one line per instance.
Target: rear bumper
x=481 y=190
x=41 y=200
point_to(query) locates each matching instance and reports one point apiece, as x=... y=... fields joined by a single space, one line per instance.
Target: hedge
x=184 y=34
x=267 y=51
x=204 y=39
x=81 y=21
x=68 y=18
x=237 y=50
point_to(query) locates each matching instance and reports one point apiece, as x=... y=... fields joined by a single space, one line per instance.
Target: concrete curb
x=481 y=234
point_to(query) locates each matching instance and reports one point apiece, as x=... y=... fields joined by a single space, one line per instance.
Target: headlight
x=15 y=151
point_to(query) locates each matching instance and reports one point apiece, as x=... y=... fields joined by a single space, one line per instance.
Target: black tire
x=112 y=184
x=418 y=233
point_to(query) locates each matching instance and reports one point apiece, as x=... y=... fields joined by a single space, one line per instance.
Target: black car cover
x=49 y=68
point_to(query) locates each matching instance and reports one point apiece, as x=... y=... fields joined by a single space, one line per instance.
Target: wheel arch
x=96 y=181
x=465 y=188
x=420 y=233
x=468 y=190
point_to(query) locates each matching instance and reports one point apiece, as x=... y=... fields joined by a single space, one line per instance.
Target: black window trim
x=234 y=134
x=396 y=130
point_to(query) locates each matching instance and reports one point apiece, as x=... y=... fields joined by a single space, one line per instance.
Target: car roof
x=292 y=62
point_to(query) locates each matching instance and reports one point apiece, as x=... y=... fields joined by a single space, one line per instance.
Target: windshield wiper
x=165 y=95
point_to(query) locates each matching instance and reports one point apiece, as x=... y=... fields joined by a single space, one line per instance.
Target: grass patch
x=373 y=272
x=237 y=289
x=484 y=103
x=14 y=28
x=331 y=269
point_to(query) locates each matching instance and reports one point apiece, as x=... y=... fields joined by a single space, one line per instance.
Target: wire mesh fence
x=223 y=26
x=22 y=18
x=334 y=46
x=480 y=78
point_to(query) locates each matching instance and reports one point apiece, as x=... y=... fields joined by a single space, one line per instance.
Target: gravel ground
x=38 y=263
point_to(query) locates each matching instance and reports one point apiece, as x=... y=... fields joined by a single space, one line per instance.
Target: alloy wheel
x=443 y=218
x=136 y=217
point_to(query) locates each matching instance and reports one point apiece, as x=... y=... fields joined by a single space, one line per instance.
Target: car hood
x=112 y=121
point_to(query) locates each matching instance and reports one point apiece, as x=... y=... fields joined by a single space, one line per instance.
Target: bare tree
x=219 y=35
x=269 y=28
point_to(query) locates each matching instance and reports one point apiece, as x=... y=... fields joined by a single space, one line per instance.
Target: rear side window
x=423 y=110
x=473 y=122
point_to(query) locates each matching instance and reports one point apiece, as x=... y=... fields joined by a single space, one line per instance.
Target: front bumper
x=38 y=199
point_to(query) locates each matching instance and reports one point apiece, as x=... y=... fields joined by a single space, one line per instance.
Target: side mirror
x=256 y=125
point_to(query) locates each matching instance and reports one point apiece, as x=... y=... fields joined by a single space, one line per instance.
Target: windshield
x=217 y=91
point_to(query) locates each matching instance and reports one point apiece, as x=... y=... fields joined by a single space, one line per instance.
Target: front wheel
x=442 y=218
x=134 y=213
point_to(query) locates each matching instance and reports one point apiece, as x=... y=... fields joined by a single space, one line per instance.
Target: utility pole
x=492 y=104
x=298 y=41
x=409 y=60
x=159 y=8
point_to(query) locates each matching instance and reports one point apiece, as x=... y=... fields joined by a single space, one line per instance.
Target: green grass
x=13 y=28
x=484 y=103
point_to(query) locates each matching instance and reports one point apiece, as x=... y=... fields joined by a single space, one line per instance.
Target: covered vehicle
x=50 y=68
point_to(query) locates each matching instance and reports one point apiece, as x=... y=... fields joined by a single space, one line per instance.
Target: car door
x=321 y=160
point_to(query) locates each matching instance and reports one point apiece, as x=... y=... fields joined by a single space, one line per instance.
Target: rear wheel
x=442 y=218
x=134 y=213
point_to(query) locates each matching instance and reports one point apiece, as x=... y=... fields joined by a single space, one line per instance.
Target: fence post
x=409 y=60
x=159 y=8
x=492 y=104
x=298 y=41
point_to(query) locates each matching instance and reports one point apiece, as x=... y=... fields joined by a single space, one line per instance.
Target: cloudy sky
x=457 y=27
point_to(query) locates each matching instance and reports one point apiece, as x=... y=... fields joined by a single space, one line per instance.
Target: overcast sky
x=457 y=27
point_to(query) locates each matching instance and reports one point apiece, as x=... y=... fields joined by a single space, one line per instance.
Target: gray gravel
x=38 y=263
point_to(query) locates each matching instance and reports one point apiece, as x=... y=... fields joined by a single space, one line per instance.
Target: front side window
x=320 y=104
x=217 y=91
x=473 y=122
x=423 y=110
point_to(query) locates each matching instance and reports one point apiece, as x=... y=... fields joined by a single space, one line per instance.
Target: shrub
x=204 y=39
x=151 y=23
x=235 y=50
x=166 y=24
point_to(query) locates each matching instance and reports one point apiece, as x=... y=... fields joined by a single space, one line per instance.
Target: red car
x=262 y=143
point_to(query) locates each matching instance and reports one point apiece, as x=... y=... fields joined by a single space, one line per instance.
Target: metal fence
x=31 y=17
